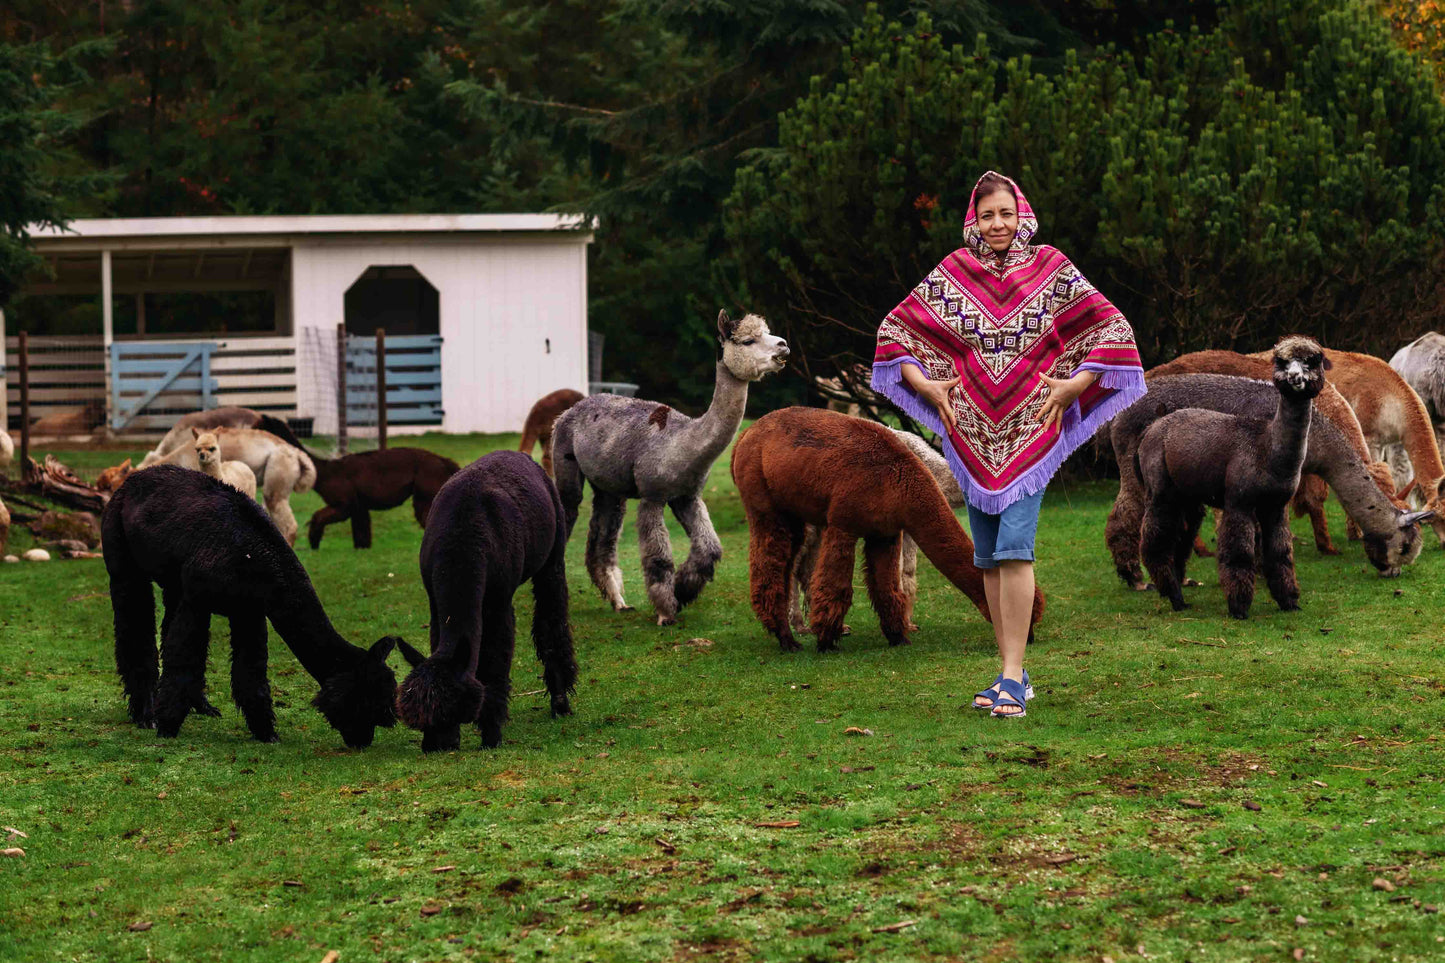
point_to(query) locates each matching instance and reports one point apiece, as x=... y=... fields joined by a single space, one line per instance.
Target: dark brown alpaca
x=540 y=420
x=854 y=479
x=1331 y=404
x=355 y=485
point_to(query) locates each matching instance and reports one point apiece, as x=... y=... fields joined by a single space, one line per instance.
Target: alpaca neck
x=942 y=540
x=302 y=623
x=1344 y=472
x=708 y=435
x=212 y=468
x=1288 y=432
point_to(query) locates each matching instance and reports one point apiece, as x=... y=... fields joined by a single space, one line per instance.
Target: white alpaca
x=280 y=469
x=7 y=449
x=233 y=473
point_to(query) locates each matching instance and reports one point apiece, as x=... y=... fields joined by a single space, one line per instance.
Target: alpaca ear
x=726 y=326
x=383 y=647
x=1440 y=489
x=125 y=466
x=195 y=433
x=1328 y=365
x=412 y=656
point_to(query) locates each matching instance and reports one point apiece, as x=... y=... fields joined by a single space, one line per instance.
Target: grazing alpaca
x=908 y=568
x=280 y=469
x=1422 y=364
x=541 y=418
x=1391 y=536
x=213 y=551
x=1310 y=498
x=70 y=421
x=354 y=486
x=853 y=479
x=227 y=416
x=630 y=448
x=233 y=473
x=1390 y=412
x=497 y=523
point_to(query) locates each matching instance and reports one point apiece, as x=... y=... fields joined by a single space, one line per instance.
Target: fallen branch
x=58 y=483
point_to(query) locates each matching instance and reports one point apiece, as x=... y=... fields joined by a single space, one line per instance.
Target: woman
x=1008 y=353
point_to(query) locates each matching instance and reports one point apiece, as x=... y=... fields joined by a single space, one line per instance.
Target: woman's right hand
x=936 y=393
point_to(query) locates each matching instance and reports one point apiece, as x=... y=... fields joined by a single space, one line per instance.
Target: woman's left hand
x=1062 y=393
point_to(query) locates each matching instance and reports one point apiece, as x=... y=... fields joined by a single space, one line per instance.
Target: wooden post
x=341 y=389
x=381 y=389
x=5 y=377
x=107 y=320
x=24 y=359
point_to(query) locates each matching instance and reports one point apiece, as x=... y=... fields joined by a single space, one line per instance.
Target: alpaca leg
x=1121 y=532
x=133 y=603
x=552 y=631
x=704 y=551
x=494 y=667
x=183 y=657
x=546 y=439
x=657 y=569
x=1159 y=540
x=169 y=597
x=1309 y=499
x=881 y=560
x=773 y=543
x=316 y=528
x=801 y=577
x=250 y=686
x=1191 y=518
x=361 y=528
x=1277 y=549
x=602 y=537
x=831 y=594
x=1237 y=535
x=908 y=580
x=277 y=490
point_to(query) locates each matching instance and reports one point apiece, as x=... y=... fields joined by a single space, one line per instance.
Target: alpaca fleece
x=495 y=524
x=1329 y=453
x=853 y=479
x=354 y=486
x=214 y=552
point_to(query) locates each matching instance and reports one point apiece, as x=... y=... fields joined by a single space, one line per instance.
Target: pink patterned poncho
x=999 y=326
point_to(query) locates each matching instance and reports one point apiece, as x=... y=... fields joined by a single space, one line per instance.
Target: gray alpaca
x=630 y=448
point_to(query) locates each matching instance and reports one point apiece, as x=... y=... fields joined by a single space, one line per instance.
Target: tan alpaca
x=233 y=473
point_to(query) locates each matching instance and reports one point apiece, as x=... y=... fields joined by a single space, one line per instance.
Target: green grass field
x=1184 y=787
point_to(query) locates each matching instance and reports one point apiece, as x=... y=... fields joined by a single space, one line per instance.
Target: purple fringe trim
x=1127 y=384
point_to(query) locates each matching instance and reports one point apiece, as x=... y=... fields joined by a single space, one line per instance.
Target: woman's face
x=998 y=219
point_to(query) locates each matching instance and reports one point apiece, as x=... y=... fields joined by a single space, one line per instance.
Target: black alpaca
x=496 y=523
x=354 y=486
x=1248 y=467
x=214 y=551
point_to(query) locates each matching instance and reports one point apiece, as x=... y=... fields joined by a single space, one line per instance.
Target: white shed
x=249 y=307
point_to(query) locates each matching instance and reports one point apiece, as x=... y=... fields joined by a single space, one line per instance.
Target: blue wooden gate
x=142 y=372
x=413 y=380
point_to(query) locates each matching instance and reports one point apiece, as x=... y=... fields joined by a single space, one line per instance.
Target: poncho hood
x=999 y=325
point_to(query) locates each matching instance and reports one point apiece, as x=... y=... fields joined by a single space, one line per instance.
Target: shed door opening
x=395 y=298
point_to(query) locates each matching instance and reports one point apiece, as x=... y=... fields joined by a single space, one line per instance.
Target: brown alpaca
x=353 y=486
x=1330 y=403
x=1390 y=412
x=540 y=420
x=854 y=479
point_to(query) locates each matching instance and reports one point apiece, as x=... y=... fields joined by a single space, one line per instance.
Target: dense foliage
x=1258 y=165
x=1282 y=171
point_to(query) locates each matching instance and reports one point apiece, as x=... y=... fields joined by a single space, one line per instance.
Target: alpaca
x=496 y=523
x=1390 y=412
x=233 y=473
x=354 y=486
x=280 y=469
x=630 y=448
x=541 y=418
x=908 y=569
x=853 y=479
x=1391 y=536
x=1422 y=364
x=1310 y=499
x=70 y=421
x=227 y=416
x=7 y=449
x=1250 y=468
x=213 y=551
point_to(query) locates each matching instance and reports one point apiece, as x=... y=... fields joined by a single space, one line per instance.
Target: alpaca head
x=1299 y=366
x=437 y=694
x=1401 y=547
x=750 y=351
x=208 y=451
x=110 y=479
x=358 y=699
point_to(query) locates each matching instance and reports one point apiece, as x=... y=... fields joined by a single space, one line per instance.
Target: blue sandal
x=992 y=696
x=1010 y=693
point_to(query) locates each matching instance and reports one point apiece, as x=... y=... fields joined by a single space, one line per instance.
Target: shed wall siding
x=513 y=317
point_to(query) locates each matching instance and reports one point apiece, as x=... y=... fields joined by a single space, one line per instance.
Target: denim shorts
x=1008 y=536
